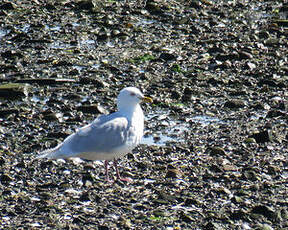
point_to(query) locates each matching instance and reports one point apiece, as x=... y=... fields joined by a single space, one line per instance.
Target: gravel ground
x=214 y=155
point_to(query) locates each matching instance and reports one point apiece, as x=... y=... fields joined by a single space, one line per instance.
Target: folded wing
x=102 y=139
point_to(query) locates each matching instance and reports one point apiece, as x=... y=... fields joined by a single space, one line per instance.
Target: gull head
x=129 y=97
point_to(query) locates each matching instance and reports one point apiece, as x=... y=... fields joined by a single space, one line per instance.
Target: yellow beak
x=147 y=99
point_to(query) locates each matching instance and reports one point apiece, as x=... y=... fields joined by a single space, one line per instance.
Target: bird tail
x=53 y=153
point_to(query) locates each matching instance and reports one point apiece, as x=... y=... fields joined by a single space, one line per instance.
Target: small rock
x=186 y=217
x=262 y=136
x=250 y=175
x=102 y=227
x=250 y=140
x=284 y=213
x=229 y=167
x=13 y=90
x=245 y=55
x=264 y=227
x=212 y=226
x=276 y=113
x=234 y=104
x=187 y=94
x=172 y=172
x=159 y=212
x=153 y=8
x=223 y=190
x=182 y=20
x=271 y=41
x=267 y=82
x=7 y=6
x=263 y=34
x=215 y=168
x=45 y=81
x=225 y=57
x=50 y=116
x=85 y=197
x=93 y=109
x=195 y=4
x=57 y=63
x=250 y=66
x=95 y=81
x=215 y=151
x=87 y=179
x=237 y=199
x=175 y=95
x=7 y=112
x=264 y=210
x=2 y=161
x=273 y=170
x=85 y=5
x=11 y=54
x=4 y=178
x=238 y=215
x=191 y=201
x=58 y=135
x=167 y=56
x=126 y=223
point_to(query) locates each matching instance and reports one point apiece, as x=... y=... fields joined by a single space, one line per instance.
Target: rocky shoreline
x=214 y=155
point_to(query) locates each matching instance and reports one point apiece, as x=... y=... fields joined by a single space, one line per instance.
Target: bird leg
x=118 y=174
x=106 y=170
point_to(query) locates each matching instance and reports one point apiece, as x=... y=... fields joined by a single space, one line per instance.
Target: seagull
x=108 y=137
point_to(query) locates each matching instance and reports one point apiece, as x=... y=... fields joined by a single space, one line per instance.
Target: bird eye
x=132 y=94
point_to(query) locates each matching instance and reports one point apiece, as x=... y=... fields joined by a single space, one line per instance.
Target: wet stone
x=4 y=179
x=235 y=104
x=58 y=135
x=85 y=5
x=194 y=58
x=7 y=112
x=195 y=4
x=245 y=55
x=212 y=226
x=226 y=57
x=11 y=54
x=187 y=95
x=172 y=172
x=99 y=83
x=2 y=161
x=92 y=109
x=263 y=34
x=250 y=66
x=153 y=8
x=264 y=227
x=186 y=217
x=250 y=175
x=85 y=197
x=264 y=210
x=237 y=199
x=167 y=56
x=262 y=136
x=215 y=151
x=175 y=95
x=238 y=215
x=45 y=81
x=102 y=227
x=50 y=116
x=13 y=90
x=276 y=113
x=215 y=168
x=191 y=201
x=7 y=6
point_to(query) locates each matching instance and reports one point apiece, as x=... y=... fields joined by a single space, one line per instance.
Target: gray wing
x=101 y=136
